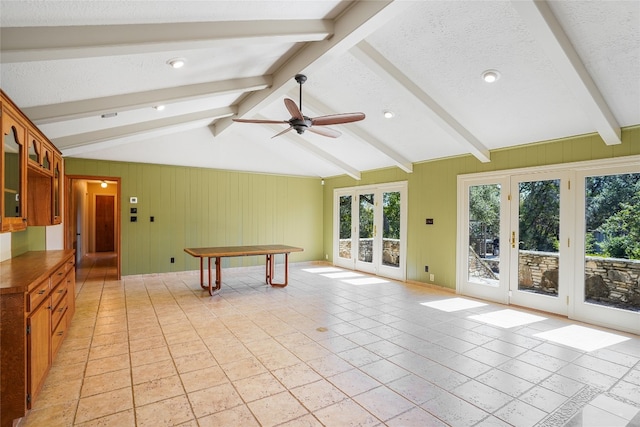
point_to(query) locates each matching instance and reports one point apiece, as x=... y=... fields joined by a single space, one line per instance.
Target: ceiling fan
x=302 y=123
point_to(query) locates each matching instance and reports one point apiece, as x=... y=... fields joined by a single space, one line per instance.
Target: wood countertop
x=30 y=268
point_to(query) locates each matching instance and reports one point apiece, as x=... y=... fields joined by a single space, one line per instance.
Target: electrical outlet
x=426 y=268
x=326 y=256
x=173 y=260
x=432 y=277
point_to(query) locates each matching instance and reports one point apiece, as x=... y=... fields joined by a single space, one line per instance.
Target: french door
x=562 y=239
x=370 y=229
x=483 y=223
x=607 y=267
x=540 y=235
x=515 y=238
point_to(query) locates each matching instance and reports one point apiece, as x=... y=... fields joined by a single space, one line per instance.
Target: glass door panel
x=610 y=268
x=345 y=227
x=484 y=235
x=366 y=232
x=482 y=270
x=536 y=243
x=392 y=252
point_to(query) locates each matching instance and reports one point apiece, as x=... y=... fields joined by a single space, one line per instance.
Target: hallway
x=334 y=348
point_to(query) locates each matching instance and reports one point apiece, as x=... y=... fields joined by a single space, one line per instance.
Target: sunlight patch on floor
x=320 y=270
x=507 y=318
x=453 y=304
x=342 y=275
x=366 y=281
x=582 y=338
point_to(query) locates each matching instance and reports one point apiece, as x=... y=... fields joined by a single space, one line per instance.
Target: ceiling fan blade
x=271 y=122
x=336 y=119
x=293 y=109
x=331 y=133
x=284 y=131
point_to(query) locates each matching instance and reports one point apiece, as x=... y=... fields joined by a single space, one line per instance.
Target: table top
x=221 y=251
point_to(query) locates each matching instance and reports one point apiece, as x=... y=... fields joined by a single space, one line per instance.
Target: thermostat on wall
x=133 y=200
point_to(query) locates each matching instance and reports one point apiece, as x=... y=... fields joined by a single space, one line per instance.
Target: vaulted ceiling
x=89 y=73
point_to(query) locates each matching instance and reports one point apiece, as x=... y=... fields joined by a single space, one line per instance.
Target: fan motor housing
x=300 y=125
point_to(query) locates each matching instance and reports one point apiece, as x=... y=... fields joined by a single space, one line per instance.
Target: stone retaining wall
x=390 y=250
x=611 y=281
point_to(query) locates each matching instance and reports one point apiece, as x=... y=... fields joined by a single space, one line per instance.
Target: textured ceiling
x=566 y=68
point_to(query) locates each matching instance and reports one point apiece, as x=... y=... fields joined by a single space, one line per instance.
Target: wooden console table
x=233 y=251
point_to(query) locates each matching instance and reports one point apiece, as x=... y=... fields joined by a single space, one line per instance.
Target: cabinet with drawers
x=37 y=302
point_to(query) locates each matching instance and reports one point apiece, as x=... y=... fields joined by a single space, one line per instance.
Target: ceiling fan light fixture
x=177 y=62
x=491 y=76
x=388 y=114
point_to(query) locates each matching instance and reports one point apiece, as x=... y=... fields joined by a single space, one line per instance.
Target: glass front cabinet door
x=13 y=175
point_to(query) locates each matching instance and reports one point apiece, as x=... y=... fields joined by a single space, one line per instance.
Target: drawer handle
x=42 y=291
x=60 y=333
x=60 y=273
x=61 y=291
x=60 y=310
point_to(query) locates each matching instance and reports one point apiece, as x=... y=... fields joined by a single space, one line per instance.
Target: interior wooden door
x=105 y=224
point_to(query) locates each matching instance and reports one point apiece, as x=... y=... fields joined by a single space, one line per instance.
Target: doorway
x=92 y=216
x=370 y=229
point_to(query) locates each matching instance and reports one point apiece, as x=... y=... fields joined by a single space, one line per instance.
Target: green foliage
x=391 y=210
x=622 y=230
x=613 y=212
x=539 y=215
x=366 y=216
x=484 y=215
x=345 y=217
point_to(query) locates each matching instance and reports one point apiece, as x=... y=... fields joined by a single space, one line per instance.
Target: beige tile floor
x=326 y=350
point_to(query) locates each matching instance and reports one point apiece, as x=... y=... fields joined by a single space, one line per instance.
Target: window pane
x=345 y=227
x=391 y=229
x=539 y=234
x=484 y=234
x=365 y=241
x=612 y=241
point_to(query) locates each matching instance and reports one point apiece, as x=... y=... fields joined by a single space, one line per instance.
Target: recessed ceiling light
x=176 y=62
x=388 y=114
x=490 y=76
x=158 y=107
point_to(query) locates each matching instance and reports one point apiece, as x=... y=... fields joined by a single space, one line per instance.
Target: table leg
x=202 y=285
x=271 y=268
x=218 y=273
x=268 y=268
x=209 y=265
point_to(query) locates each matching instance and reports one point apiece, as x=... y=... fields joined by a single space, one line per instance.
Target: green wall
x=202 y=207
x=432 y=188
x=195 y=207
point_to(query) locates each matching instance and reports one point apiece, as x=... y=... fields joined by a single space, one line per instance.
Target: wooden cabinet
x=13 y=206
x=31 y=172
x=37 y=302
x=38 y=344
x=40 y=153
x=57 y=188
